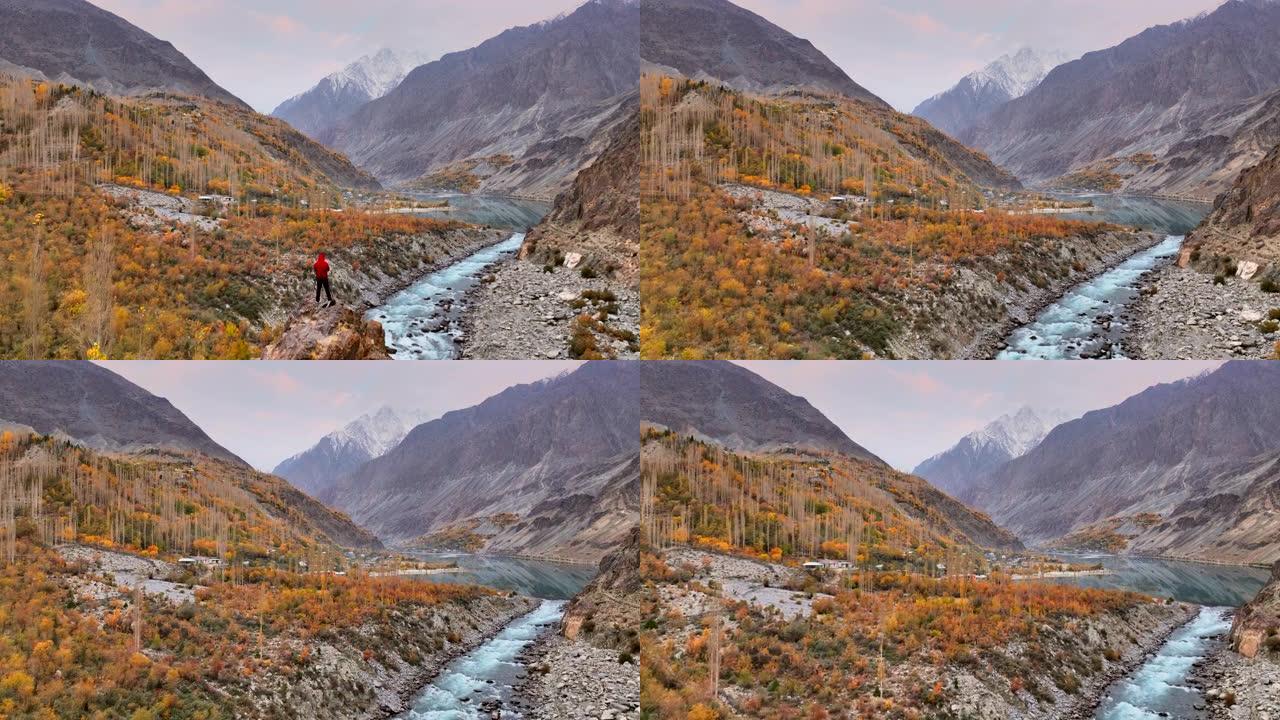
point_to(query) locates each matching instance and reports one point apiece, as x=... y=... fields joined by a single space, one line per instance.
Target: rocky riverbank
x=342 y=684
x=365 y=275
x=1238 y=688
x=1185 y=314
x=574 y=680
x=523 y=311
x=987 y=310
x=1136 y=634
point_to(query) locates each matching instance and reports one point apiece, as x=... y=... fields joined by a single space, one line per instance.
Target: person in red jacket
x=322 y=279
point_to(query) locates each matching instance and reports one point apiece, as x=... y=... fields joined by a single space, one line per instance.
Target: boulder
x=329 y=333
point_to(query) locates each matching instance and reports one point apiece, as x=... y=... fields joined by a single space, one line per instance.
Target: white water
x=1087 y=320
x=1159 y=685
x=487 y=673
x=421 y=321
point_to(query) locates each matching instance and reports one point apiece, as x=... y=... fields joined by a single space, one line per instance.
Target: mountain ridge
x=507 y=97
x=99 y=409
x=1148 y=101
x=1163 y=453
x=674 y=37
x=75 y=42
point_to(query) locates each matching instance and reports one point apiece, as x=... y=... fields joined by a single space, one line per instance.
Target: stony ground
x=1189 y=317
x=573 y=680
x=1238 y=688
x=524 y=312
x=126 y=572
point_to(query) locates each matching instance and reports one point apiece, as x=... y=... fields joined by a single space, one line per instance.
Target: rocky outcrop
x=1241 y=237
x=1256 y=628
x=605 y=612
x=595 y=225
x=329 y=333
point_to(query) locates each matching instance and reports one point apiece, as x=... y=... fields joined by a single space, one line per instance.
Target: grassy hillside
x=905 y=614
x=111 y=252
x=746 y=255
x=98 y=619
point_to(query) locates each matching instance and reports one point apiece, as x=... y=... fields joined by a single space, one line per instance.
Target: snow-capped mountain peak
x=1017 y=73
x=367 y=437
x=377 y=432
x=336 y=96
x=979 y=93
x=1018 y=432
x=378 y=74
x=1007 y=437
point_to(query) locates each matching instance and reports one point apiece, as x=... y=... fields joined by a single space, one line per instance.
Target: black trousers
x=323 y=283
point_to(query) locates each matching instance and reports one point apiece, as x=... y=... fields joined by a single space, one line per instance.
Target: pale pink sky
x=265 y=51
x=267 y=411
x=906 y=411
x=907 y=50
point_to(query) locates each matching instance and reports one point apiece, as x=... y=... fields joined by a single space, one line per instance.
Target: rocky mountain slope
x=546 y=468
x=717 y=40
x=731 y=406
x=954 y=470
x=1177 y=108
x=1184 y=467
x=598 y=217
x=977 y=94
x=96 y=407
x=74 y=42
x=538 y=95
x=337 y=96
x=1244 y=225
x=343 y=450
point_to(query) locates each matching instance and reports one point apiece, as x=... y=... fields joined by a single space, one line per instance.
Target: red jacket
x=321 y=267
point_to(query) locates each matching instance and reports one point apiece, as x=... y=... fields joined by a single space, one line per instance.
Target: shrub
x=1270 y=286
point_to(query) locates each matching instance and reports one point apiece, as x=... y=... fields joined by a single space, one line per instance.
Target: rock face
x=1187 y=314
x=980 y=452
x=732 y=406
x=74 y=42
x=1172 y=100
x=604 y=612
x=338 y=453
x=562 y=455
x=99 y=409
x=598 y=218
x=1244 y=227
x=1182 y=457
x=540 y=94
x=717 y=40
x=329 y=333
x=339 y=95
x=1257 y=624
x=979 y=93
